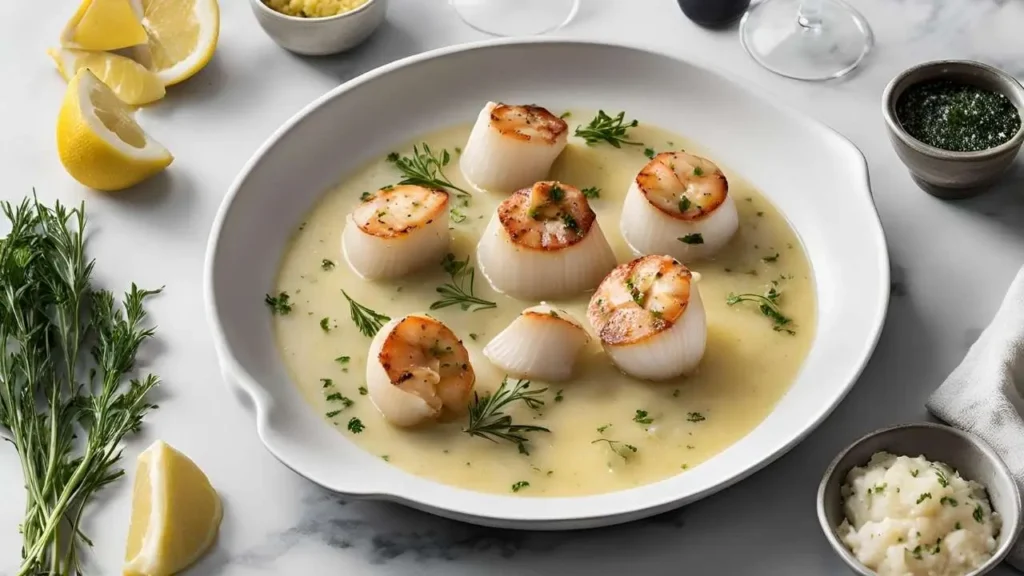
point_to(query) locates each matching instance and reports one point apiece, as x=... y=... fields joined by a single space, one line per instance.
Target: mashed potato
x=909 y=516
x=314 y=8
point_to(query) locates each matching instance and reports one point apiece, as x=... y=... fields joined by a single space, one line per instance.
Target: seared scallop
x=512 y=146
x=397 y=231
x=649 y=317
x=543 y=343
x=418 y=371
x=679 y=205
x=544 y=242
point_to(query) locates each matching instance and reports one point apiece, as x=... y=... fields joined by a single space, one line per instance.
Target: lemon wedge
x=175 y=513
x=99 y=143
x=182 y=36
x=103 y=25
x=127 y=78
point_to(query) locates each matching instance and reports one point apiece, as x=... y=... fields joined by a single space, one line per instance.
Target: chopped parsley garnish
x=917 y=552
x=641 y=417
x=367 y=321
x=979 y=514
x=695 y=417
x=520 y=485
x=950 y=501
x=458 y=216
x=692 y=239
x=675 y=393
x=623 y=450
x=914 y=473
x=601 y=429
x=279 y=304
x=768 y=304
x=605 y=128
x=325 y=324
x=473 y=336
x=684 y=204
x=649 y=152
x=772 y=258
x=333 y=413
x=343 y=360
x=460 y=290
x=558 y=396
x=923 y=497
x=878 y=488
x=488 y=420
x=355 y=425
x=366 y=196
x=327 y=382
x=385 y=458
x=327 y=264
x=941 y=476
x=556 y=193
x=570 y=223
x=592 y=192
x=958 y=526
x=634 y=293
x=425 y=169
x=565 y=115
x=363 y=391
x=338 y=397
x=698 y=171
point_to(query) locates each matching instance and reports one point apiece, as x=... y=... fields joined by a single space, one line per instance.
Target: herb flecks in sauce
x=768 y=304
x=957 y=117
x=279 y=304
x=622 y=449
x=459 y=292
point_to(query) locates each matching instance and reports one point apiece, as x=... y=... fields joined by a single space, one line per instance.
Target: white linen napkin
x=983 y=395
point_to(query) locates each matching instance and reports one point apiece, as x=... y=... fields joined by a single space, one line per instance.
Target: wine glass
x=516 y=17
x=806 y=39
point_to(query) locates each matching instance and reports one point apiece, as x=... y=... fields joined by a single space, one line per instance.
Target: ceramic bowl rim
x=976 y=444
x=599 y=515
x=896 y=127
x=319 y=19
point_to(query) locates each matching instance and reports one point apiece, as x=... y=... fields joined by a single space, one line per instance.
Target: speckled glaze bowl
x=321 y=36
x=943 y=173
x=966 y=453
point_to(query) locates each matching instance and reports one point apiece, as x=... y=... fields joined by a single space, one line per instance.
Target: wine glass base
x=516 y=17
x=828 y=43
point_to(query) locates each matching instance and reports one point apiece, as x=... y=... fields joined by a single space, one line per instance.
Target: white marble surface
x=951 y=265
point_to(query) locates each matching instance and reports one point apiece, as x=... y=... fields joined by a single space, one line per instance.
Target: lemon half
x=99 y=142
x=176 y=513
x=127 y=78
x=103 y=25
x=182 y=36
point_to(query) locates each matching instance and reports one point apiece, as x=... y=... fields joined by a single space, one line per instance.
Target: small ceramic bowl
x=967 y=454
x=321 y=36
x=940 y=172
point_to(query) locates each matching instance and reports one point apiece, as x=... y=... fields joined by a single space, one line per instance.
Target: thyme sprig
x=605 y=128
x=487 y=418
x=368 y=321
x=768 y=304
x=459 y=292
x=424 y=168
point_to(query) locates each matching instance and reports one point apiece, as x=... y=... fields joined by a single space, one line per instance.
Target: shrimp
x=650 y=319
x=512 y=146
x=397 y=231
x=418 y=371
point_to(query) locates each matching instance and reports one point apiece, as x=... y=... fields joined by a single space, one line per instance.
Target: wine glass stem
x=809 y=15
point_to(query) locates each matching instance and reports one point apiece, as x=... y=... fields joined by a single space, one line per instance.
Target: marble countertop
x=951 y=265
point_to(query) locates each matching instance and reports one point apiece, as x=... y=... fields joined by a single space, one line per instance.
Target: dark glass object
x=713 y=13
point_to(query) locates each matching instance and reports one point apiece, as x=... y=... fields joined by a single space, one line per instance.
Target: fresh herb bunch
x=65 y=416
x=425 y=169
x=604 y=128
x=768 y=304
x=368 y=321
x=487 y=418
x=460 y=290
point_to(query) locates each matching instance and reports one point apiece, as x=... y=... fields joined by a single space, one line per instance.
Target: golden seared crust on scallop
x=683 y=186
x=640 y=299
x=528 y=123
x=547 y=216
x=396 y=211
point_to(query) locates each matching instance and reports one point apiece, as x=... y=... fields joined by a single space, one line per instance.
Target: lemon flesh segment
x=103 y=25
x=182 y=36
x=99 y=143
x=131 y=81
x=176 y=513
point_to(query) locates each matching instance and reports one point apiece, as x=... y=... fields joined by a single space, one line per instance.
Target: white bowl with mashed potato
x=922 y=500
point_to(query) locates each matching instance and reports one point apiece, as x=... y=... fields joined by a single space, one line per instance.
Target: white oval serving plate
x=817 y=178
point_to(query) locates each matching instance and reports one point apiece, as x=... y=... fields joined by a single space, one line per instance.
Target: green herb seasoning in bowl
x=955 y=124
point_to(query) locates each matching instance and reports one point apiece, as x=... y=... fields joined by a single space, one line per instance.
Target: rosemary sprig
x=604 y=128
x=47 y=311
x=769 y=306
x=425 y=169
x=368 y=321
x=487 y=418
x=460 y=290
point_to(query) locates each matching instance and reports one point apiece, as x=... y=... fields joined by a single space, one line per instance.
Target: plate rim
x=235 y=375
